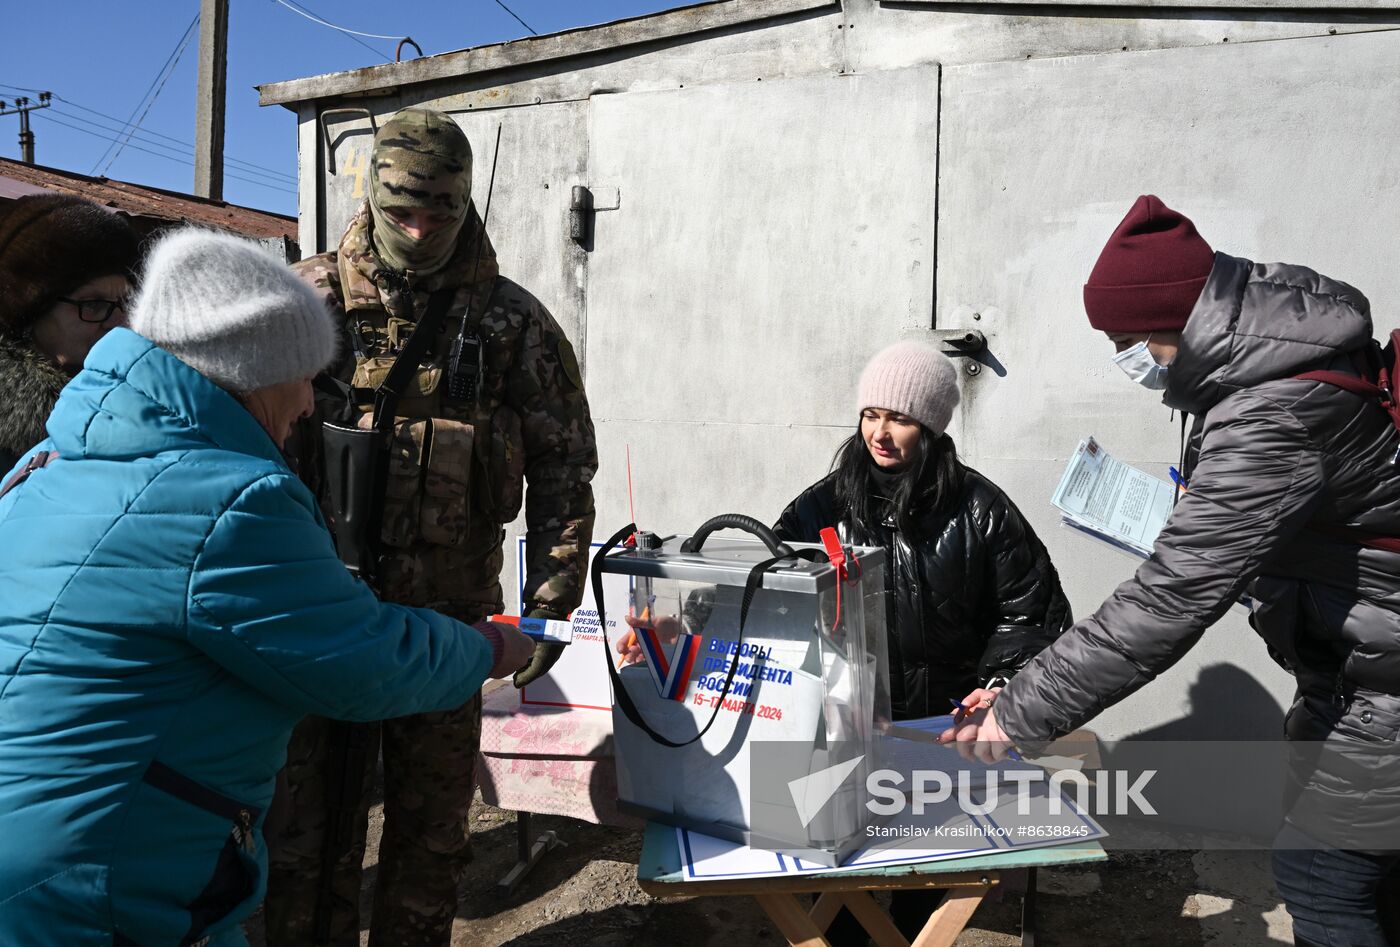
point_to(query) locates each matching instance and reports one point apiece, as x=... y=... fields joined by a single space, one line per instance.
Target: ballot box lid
x=728 y=561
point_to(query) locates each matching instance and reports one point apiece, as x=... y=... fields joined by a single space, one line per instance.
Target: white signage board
x=579 y=680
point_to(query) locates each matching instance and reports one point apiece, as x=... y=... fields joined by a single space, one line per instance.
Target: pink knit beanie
x=913 y=378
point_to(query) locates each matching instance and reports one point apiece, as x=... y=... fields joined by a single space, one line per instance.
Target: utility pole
x=209 y=99
x=22 y=108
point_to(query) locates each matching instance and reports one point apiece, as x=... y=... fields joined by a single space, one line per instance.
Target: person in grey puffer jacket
x=1285 y=477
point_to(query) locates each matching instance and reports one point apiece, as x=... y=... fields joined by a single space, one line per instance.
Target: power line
x=527 y=26
x=316 y=19
x=149 y=137
x=98 y=132
x=146 y=134
x=173 y=61
x=352 y=34
x=139 y=101
x=170 y=157
x=184 y=148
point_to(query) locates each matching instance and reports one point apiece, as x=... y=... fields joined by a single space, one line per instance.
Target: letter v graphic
x=670 y=672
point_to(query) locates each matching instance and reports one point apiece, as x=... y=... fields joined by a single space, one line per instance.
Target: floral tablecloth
x=549 y=760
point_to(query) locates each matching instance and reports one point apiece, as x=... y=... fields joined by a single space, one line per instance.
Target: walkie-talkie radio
x=464 y=367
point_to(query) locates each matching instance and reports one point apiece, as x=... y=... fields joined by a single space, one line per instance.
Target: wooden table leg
x=792 y=920
x=951 y=917
x=825 y=910
x=1028 y=910
x=874 y=919
x=531 y=851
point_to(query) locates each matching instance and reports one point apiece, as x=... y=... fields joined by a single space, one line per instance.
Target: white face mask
x=1139 y=365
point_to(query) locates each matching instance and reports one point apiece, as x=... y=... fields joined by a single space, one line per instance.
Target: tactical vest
x=439 y=475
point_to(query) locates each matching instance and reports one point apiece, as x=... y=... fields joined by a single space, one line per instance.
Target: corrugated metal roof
x=136 y=200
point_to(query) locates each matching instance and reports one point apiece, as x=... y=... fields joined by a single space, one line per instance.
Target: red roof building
x=149 y=208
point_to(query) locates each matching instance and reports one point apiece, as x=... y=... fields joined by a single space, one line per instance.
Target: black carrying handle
x=737 y=521
x=751 y=587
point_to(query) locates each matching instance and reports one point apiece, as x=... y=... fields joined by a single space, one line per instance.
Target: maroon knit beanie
x=1150 y=273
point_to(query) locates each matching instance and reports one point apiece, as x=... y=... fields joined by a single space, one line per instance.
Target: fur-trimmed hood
x=30 y=384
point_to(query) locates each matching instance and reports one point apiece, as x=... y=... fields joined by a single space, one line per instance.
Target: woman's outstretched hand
x=976 y=733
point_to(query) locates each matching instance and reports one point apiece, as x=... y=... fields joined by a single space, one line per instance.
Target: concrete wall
x=792 y=195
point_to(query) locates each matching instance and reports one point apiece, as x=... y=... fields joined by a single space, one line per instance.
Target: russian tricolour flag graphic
x=670 y=672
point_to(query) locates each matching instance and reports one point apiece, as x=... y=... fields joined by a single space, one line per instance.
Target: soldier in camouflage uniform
x=456 y=477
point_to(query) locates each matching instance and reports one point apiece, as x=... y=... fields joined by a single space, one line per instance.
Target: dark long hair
x=928 y=485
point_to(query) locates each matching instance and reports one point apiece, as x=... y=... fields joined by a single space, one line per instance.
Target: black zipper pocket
x=180 y=786
x=196 y=794
x=232 y=883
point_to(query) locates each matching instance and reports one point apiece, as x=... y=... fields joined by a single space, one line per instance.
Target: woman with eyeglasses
x=65 y=266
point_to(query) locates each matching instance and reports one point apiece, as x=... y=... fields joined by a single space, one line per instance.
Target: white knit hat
x=231 y=310
x=912 y=378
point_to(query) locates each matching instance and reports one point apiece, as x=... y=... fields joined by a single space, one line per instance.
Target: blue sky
x=102 y=58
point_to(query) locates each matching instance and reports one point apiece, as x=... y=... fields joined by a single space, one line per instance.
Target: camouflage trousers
x=428 y=772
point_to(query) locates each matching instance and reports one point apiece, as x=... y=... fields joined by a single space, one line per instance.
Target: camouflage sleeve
x=546 y=390
x=322 y=272
x=303 y=449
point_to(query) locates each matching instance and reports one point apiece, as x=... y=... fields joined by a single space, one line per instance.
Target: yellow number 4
x=357 y=165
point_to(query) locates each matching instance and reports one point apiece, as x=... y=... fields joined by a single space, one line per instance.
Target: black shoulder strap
x=386 y=398
x=37 y=462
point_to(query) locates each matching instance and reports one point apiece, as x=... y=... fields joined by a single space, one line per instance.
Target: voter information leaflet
x=1113 y=501
x=578 y=679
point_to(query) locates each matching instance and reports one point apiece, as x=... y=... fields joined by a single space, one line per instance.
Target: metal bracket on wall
x=960 y=343
x=326 y=132
x=969 y=344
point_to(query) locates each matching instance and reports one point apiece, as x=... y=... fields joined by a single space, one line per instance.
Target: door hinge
x=584 y=203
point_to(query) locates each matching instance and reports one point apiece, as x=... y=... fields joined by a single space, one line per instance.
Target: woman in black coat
x=972 y=595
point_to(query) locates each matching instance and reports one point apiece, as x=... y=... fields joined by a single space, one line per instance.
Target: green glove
x=546 y=653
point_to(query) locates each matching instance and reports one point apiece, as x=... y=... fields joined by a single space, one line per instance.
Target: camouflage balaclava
x=421 y=161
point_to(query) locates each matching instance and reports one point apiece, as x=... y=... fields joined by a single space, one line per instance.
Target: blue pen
x=1177 y=478
x=1010 y=753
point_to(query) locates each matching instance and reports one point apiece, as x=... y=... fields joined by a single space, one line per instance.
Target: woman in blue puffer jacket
x=171 y=604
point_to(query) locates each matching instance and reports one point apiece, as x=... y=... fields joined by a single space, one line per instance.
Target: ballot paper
x=1116 y=503
x=1113 y=501
x=540 y=629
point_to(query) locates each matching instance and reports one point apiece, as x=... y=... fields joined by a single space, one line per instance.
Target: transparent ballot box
x=763 y=737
